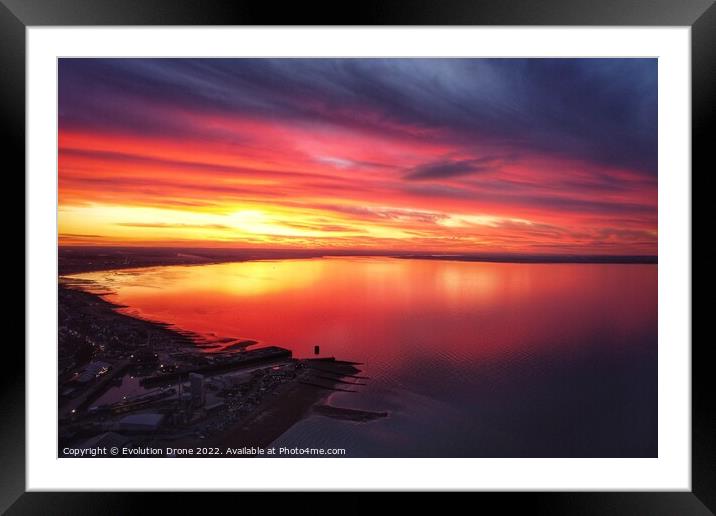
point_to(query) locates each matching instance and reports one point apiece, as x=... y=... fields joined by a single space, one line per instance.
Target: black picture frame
x=700 y=15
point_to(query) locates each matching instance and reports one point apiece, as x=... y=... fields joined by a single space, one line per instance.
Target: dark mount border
x=16 y=15
x=367 y=12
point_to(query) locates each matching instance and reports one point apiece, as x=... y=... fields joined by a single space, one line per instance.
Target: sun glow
x=273 y=161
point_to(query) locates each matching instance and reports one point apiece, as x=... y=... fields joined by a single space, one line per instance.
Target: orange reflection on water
x=383 y=310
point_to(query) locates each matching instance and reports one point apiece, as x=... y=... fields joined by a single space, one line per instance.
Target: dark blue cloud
x=602 y=111
x=457 y=167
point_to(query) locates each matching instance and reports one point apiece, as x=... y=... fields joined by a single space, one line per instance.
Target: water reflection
x=472 y=359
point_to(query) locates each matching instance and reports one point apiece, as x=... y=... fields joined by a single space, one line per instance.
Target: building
x=93 y=370
x=144 y=422
x=198 y=395
x=215 y=408
x=144 y=356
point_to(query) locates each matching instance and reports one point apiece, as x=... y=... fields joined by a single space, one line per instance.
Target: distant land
x=75 y=259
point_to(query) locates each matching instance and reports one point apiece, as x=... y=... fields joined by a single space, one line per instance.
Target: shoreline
x=291 y=403
x=273 y=406
x=254 y=412
x=65 y=283
x=77 y=260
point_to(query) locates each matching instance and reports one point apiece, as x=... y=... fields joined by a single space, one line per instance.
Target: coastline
x=275 y=407
x=76 y=259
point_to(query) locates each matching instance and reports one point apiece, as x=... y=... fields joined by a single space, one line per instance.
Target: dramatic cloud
x=458 y=167
x=361 y=152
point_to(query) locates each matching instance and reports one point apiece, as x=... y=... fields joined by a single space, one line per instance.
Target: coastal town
x=131 y=384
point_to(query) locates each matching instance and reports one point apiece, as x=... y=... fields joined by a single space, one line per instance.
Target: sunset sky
x=446 y=155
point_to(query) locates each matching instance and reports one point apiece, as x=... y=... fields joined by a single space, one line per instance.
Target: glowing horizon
x=479 y=155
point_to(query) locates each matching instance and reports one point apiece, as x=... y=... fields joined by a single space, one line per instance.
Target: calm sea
x=469 y=359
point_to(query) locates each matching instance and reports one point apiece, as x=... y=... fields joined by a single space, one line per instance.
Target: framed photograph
x=437 y=248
